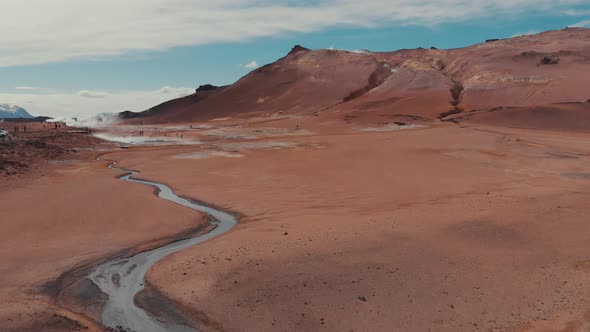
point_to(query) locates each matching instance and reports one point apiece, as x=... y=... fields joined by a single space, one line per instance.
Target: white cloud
x=92 y=94
x=79 y=105
x=581 y=24
x=28 y=88
x=176 y=92
x=59 y=30
x=33 y=88
x=251 y=65
x=333 y=48
x=578 y=12
x=530 y=32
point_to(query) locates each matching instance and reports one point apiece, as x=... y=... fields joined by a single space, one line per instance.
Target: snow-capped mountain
x=8 y=111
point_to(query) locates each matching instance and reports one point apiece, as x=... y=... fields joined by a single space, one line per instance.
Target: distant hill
x=8 y=111
x=424 y=83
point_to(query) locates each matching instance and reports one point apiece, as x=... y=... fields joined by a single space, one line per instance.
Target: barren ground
x=440 y=228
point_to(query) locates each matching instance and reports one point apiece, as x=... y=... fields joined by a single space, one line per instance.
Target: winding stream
x=122 y=278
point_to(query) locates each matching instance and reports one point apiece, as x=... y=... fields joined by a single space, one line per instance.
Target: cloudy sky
x=82 y=57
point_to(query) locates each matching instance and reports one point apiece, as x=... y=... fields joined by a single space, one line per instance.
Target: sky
x=76 y=58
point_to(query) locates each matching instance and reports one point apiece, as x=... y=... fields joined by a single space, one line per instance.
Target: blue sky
x=107 y=66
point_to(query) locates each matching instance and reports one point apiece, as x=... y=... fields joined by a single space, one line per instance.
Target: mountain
x=8 y=111
x=426 y=84
x=301 y=81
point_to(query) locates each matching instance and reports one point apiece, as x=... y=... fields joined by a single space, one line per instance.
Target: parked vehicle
x=3 y=133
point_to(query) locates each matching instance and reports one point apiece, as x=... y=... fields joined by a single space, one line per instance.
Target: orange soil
x=76 y=213
x=448 y=228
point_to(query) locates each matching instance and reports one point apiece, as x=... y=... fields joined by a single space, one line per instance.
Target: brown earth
x=446 y=228
x=570 y=117
x=56 y=216
x=24 y=154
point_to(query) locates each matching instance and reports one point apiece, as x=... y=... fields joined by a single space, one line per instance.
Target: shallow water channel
x=122 y=278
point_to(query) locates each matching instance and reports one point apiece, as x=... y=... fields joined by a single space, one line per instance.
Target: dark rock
x=129 y=115
x=377 y=78
x=549 y=60
x=362 y=298
x=297 y=48
x=35 y=119
x=206 y=87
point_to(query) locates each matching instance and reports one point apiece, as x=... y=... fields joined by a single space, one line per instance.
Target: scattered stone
x=549 y=60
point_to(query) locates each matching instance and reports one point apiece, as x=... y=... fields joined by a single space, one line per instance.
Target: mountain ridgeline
x=543 y=76
x=8 y=111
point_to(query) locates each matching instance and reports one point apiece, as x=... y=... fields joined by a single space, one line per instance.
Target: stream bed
x=122 y=278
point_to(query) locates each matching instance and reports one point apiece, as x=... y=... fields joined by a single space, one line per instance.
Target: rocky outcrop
x=206 y=87
x=297 y=49
x=129 y=115
x=549 y=60
x=381 y=73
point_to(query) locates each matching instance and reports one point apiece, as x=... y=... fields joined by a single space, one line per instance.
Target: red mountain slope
x=535 y=70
